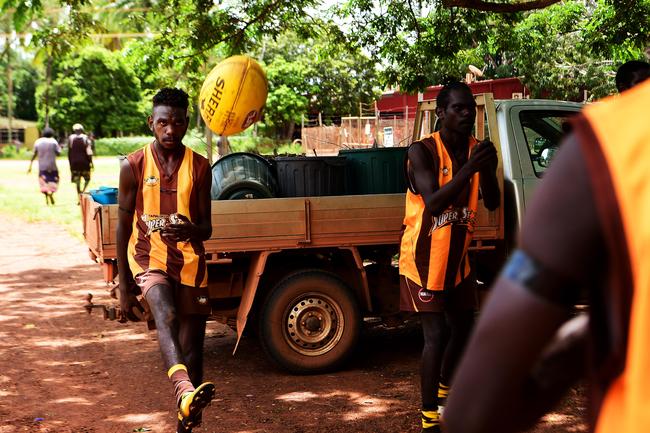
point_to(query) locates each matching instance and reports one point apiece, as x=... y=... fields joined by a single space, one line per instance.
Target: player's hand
x=131 y=308
x=493 y=161
x=184 y=231
x=484 y=156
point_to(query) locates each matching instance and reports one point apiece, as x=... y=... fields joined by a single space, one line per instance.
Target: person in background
x=630 y=74
x=91 y=139
x=164 y=216
x=80 y=155
x=46 y=149
x=587 y=228
x=445 y=172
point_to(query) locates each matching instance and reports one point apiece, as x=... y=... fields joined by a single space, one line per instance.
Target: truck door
x=538 y=130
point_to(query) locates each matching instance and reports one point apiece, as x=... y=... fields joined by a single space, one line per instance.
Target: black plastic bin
x=243 y=175
x=375 y=171
x=310 y=176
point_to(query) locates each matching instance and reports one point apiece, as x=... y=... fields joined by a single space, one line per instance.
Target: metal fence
x=356 y=133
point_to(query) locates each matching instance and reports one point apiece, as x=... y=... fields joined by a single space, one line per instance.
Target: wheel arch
x=345 y=263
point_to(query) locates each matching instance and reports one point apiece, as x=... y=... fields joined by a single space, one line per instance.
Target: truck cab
x=531 y=130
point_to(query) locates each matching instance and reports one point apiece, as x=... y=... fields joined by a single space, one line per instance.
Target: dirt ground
x=62 y=370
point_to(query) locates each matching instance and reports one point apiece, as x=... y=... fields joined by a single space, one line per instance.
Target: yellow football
x=233 y=95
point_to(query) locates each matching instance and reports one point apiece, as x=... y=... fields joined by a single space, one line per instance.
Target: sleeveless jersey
x=78 y=152
x=433 y=251
x=615 y=141
x=156 y=199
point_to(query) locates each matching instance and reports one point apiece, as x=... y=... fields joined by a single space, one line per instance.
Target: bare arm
x=29 y=170
x=562 y=234
x=490 y=184
x=126 y=202
x=89 y=152
x=425 y=177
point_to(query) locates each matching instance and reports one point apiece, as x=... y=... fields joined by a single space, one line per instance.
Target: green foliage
x=20 y=195
x=96 y=88
x=314 y=75
x=557 y=62
x=24 y=79
x=558 y=51
x=418 y=47
x=120 y=145
x=619 y=28
x=287 y=100
x=10 y=152
x=194 y=34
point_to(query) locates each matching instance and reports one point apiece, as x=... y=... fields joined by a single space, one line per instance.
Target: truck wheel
x=310 y=322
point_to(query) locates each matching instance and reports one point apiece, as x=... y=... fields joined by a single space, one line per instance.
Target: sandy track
x=64 y=371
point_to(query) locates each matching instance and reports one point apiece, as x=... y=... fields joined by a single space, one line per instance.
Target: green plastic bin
x=375 y=171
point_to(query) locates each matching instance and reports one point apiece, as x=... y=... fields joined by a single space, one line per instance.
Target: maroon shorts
x=188 y=299
x=414 y=298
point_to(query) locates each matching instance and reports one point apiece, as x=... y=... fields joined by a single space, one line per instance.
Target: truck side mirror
x=546 y=156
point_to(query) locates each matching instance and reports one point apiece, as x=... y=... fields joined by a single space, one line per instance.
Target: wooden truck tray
x=286 y=223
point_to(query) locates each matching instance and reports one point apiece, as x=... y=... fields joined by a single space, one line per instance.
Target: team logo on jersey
x=155 y=223
x=463 y=216
x=203 y=300
x=445 y=171
x=425 y=295
x=151 y=181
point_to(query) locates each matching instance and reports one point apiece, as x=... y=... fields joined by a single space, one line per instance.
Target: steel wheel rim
x=313 y=324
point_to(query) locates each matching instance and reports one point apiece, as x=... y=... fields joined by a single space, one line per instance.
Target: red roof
x=397 y=102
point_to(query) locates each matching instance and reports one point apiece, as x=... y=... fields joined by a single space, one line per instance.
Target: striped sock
x=181 y=381
x=443 y=393
x=430 y=420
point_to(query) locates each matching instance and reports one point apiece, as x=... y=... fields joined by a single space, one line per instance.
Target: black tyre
x=245 y=189
x=309 y=323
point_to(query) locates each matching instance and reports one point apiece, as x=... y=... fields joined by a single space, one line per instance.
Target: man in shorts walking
x=163 y=220
x=80 y=157
x=46 y=149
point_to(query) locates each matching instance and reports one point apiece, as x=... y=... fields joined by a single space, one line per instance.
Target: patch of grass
x=120 y=145
x=194 y=139
x=10 y=152
x=20 y=195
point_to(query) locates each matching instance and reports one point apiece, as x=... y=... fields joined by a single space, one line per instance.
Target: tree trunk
x=223 y=146
x=292 y=128
x=208 y=139
x=48 y=82
x=10 y=96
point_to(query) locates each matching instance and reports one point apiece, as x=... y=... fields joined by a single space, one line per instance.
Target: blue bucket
x=104 y=195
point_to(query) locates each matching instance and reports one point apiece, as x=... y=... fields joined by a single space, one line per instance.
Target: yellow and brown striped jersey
x=433 y=251
x=614 y=139
x=157 y=198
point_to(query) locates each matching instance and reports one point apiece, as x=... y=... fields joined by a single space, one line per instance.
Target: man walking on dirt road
x=163 y=220
x=80 y=158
